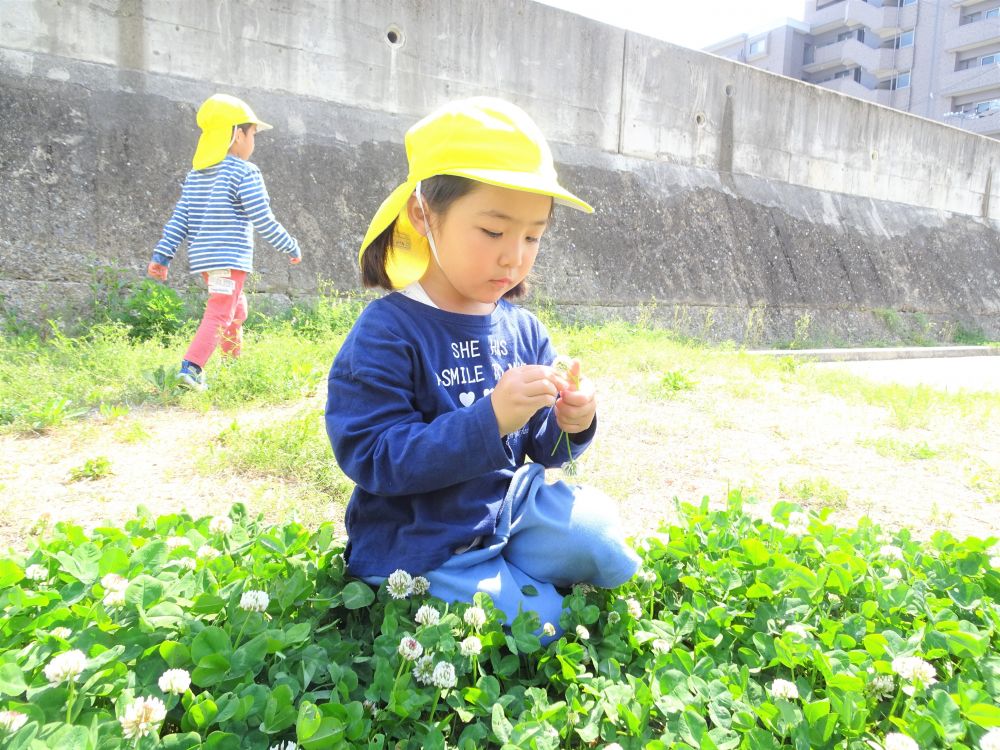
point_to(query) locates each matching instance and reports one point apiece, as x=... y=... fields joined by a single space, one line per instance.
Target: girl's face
x=487 y=242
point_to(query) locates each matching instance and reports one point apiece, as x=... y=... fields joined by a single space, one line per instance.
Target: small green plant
x=92 y=469
x=802 y=324
x=816 y=492
x=164 y=382
x=52 y=413
x=113 y=412
x=131 y=432
x=673 y=381
x=892 y=448
x=153 y=311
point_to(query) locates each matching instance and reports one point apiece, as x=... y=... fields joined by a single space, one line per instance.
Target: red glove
x=157 y=271
x=296 y=261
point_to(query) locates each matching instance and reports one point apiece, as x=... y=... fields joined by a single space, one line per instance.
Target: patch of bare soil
x=766 y=441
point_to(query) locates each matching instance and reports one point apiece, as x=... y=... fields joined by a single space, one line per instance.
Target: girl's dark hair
x=245 y=127
x=439 y=192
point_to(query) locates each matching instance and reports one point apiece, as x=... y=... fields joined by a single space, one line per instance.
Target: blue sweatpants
x=547 y=535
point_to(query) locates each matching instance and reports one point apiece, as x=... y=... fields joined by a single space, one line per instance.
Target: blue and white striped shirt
x=218 y=210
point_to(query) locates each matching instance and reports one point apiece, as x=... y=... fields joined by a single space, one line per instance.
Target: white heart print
x=487 y=392
x=467 y=398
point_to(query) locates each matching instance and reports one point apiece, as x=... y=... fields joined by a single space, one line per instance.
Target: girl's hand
x=521 y=392
x=577 y=403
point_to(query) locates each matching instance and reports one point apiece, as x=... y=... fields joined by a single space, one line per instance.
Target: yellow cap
x=484 y=139
x=217 y=117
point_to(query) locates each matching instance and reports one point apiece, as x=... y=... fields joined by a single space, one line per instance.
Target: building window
x=993 y=13
x=987 y=60
x=904 y=40
x=908 y=2
x=758 y=46
x=901 y=81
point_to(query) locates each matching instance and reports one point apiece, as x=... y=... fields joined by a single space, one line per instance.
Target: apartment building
x=939 y=59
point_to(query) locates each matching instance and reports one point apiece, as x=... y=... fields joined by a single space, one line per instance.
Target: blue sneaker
x=191 y=378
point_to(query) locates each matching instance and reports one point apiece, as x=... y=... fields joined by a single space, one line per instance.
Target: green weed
x=92 y=469
x=816 y=492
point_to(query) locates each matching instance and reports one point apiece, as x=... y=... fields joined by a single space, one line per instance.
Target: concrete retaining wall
x=747 y=205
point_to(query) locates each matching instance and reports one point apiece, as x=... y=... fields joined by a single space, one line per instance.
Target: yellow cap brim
x=410 y=250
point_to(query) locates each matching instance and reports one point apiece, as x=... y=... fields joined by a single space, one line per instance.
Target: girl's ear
x=415 y=215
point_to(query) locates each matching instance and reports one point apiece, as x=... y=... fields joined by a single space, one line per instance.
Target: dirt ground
x=705 y=441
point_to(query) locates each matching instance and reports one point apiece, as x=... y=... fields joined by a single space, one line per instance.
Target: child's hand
x=157 y=271
x=577 y=404
x=295 y=260
x=521 y=392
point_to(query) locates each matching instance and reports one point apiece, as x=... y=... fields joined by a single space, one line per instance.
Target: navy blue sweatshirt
x=411 y=423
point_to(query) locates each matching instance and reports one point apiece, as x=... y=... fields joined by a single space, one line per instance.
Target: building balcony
x=971 y=35
x=989 y=124
x=970 y=81
x=852 y=88
x=853 y=13
x=851 y=53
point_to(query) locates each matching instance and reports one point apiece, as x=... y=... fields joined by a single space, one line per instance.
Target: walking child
x=444 y=389
x=222 y=201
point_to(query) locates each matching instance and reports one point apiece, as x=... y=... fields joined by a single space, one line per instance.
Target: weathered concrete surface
x=732 y=203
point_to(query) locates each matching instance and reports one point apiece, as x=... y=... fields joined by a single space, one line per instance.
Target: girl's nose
x=513 y=253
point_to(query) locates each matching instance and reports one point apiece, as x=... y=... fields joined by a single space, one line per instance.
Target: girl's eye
x=492 y=235
x=533 y=240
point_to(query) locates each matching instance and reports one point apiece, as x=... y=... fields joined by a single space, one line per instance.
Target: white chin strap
x=427 y=227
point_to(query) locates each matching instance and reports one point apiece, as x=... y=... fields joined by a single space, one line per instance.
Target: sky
x=689 y=23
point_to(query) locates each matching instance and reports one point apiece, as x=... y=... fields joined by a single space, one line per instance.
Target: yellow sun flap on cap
x=217 y=117
x=482 y=138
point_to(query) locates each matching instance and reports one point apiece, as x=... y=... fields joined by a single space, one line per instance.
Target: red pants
x=222 y=323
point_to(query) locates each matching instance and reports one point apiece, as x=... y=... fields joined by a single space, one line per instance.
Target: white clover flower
x=423 y=670
x=634 y=608
x=444 y=675
x=188 y=563
x=174 y=542
x=61 y=632
x=175 y=681
x=65 y=667
x=36 y=572
x=648 y=576
x=420 y=586
x=614 y=618
x=286 y=745
x=548 y=630
x=660 y=646
x=882 y=686
x=142 y=717
x=897 y=741
x=410 y=648
x=114 y=582
x=784 y=689
x=891 y=551
x=11 y=721
x=220 y=525
x=914 y=669
x=582 y=633
x=797 y=628
x=990 y=740
x=834 y=599
x=895 y=574
x=475 y=617
x=254 y=601
x=207 y=552
x=399 y=584
x=798 y=523
x=372 y=707
x=427 y=615
x=114 y=598
x=471 y=646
